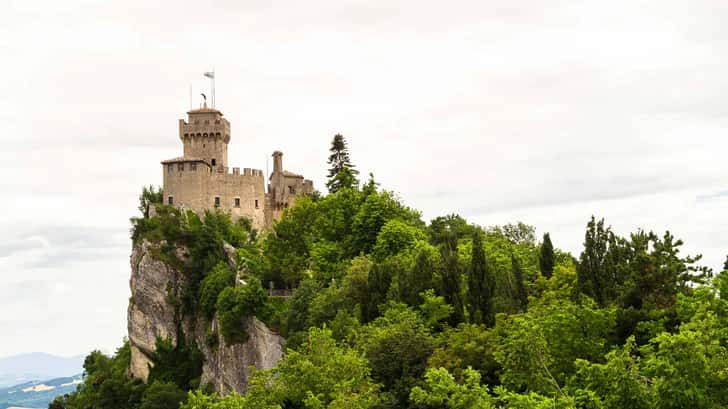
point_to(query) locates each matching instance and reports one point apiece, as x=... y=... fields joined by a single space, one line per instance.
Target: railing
x=280 y=292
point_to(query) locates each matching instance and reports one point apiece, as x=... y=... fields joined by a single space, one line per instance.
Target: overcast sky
x=541 y=111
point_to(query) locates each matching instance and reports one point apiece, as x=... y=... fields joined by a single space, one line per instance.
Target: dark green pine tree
x=451 y=278
x=371 y=186
x=519 y=287
x=342 y=173
x=481 y=285
x=546 y=258
x=725 y=265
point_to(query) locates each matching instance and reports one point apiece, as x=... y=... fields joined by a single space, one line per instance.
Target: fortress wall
x=187 y=187
x=248 y=187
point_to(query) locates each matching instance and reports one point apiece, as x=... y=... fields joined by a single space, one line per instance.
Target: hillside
x=377 y=308
x=37 y=394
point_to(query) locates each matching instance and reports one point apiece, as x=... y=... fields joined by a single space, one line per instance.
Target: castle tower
x=277 y=161
x=205 y=136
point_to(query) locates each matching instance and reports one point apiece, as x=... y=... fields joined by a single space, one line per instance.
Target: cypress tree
x=451 y=278
x=520 y=289
x=418 y=279
x=481 y=285
x=342 y=173
x=546 y=258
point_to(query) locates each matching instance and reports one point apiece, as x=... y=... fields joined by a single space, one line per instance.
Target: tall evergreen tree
x=342 y=173
x=416 y=280
x=481 y=285
x=591 y=272
x=519 y=287
x=725 y=265
x=451 y=290
x=546 y=258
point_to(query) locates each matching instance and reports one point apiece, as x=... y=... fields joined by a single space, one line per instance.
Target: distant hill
x=37 y=394
x=37 y=366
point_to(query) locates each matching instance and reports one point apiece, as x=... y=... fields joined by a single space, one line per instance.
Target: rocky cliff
x=153 y=313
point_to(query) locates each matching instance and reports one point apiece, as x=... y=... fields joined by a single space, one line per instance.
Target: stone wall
x=198 y=189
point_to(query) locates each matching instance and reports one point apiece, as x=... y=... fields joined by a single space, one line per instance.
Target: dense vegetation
x=391 y=312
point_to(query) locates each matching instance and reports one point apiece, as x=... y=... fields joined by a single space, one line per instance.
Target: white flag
x=209 y=74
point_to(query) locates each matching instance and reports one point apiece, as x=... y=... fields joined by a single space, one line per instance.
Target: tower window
x=213 y=161
x=170 y=167
x=193 y=167
x=237 y=202
x=291 y=190
x=256 y=203
x=170 y=200
x=181 y=167
x=217 y=201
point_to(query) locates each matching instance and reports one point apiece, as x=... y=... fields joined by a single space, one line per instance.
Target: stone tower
x=206 y=136
x=201 y=179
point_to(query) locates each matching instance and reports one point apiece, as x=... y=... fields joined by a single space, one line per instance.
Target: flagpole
x=213 y=87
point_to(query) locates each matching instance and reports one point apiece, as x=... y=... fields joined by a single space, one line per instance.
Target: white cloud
x=545 y=112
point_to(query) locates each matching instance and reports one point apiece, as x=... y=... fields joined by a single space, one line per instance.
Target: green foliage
x=396 y=237
x=537 y=349
x=219 y=278
x=163 y=395
x=617 y=382
x=235 y=305
x=179 y=364
x=520 y=295
x=434 y=309
x=378 y=314
x=481 y=285
x=441 y=227
x=469 y=346
x=451 y=278
x=412 y=282
x=320 y=374
x=546 y=259
x=342 y=174
x=443 y=392
x=106 y=384
x=397 y=346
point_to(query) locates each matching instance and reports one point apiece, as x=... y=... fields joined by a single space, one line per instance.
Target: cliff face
x=152 y=313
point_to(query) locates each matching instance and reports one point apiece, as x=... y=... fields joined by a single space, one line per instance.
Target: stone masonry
x=201 y=178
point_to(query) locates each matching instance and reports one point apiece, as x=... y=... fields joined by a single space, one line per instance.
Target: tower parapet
x=201 y=179
x=206 y=135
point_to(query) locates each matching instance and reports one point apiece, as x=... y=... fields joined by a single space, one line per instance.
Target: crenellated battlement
x=201 y=179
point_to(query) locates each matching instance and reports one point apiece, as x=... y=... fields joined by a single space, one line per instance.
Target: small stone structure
x=201 y=178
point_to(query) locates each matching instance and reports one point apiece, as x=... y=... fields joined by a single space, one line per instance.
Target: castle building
x=201 y=178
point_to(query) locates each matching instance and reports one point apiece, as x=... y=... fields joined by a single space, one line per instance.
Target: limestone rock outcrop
x=153 y=312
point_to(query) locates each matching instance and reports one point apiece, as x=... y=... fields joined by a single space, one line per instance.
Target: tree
x=442 y=392
x=481 y=285
x=451 y=278
x=149 y=197
x=467 y=346
x=342 y=173
x=441 y=226
x=397 y=346
x=371 y=186
x=411 y=283
x=546 y=258
x=725 y=265
x=598 y=271
x=163 y=395
x=519 y=288
x=319 y=374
